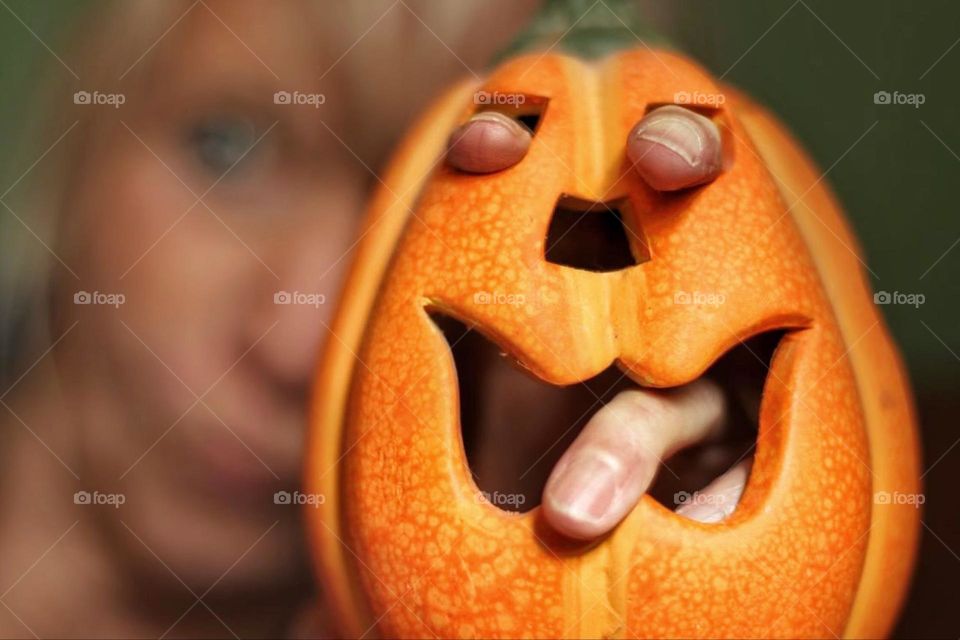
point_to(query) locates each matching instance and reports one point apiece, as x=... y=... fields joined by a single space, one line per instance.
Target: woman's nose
x=289 y=341
x=294 y=314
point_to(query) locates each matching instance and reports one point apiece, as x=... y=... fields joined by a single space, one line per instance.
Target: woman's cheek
x=181 y=272
x=124 y=203
x=308 y=252
x=204 y=280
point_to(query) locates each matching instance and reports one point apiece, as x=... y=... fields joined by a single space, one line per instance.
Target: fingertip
x=606 y=471
x=717 y=501
x=590 y=492
x=572 y=526
x=488 y=142
x=674 y=148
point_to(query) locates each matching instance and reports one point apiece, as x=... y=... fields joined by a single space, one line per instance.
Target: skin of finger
x=633 y=433
x=669 y=160
x=708 y=151
x=717 y=500
x=488 y=142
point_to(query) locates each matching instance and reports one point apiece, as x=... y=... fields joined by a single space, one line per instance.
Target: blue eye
x=221 y=143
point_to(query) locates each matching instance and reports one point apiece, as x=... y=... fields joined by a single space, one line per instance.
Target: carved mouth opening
x=515 y=426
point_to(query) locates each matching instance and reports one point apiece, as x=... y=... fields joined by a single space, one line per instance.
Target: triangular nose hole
x=595 y=236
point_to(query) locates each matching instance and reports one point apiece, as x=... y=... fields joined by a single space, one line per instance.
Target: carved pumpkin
x=404 y=548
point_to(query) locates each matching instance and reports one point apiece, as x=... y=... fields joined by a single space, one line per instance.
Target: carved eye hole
x=498 y=135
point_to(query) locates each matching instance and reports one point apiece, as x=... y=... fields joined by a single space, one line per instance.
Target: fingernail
x=679 y=134
x=674 y=148
x=489 y=141
x=707 y=513
x=716 y=505
x=500 y=119
x=586 y=488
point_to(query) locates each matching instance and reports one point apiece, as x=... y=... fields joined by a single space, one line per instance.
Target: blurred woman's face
x=223 y=218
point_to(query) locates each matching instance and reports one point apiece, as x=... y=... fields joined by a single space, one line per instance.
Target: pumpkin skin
x=404 y=548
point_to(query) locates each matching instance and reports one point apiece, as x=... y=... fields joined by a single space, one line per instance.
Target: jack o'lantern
x=813 y=549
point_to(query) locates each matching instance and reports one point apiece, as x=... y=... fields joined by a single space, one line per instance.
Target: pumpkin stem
x=586 y=28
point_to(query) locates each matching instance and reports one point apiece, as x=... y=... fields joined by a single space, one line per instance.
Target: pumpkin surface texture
x=403 y=546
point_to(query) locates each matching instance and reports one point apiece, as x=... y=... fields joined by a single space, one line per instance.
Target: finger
x=673 y=148
x=613 y=461
x=487 y=142
x=718 y=500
